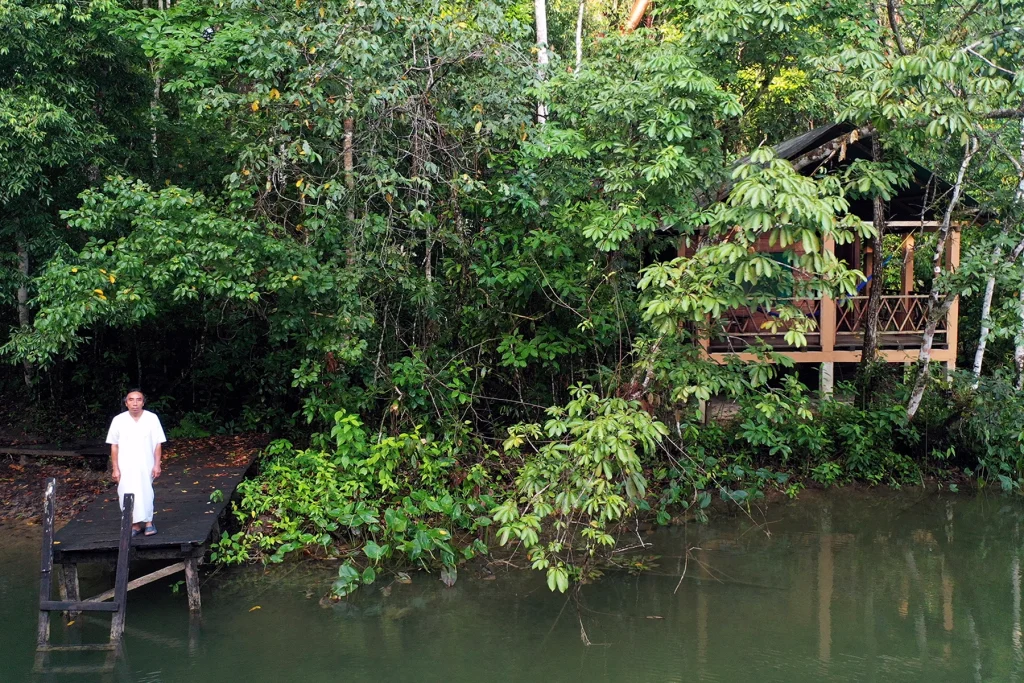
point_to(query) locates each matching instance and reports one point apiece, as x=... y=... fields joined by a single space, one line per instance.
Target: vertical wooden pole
x=67 y=575
x=46 y=563
x=907 y=274
x=121 y=578
x=192 y=584
x=869 y=268
x=827 y=329
x=953 y=315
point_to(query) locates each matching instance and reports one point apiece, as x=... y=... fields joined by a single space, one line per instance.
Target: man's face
x=134 y=401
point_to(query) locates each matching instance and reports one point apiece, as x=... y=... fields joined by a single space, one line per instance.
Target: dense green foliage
x=345 y=223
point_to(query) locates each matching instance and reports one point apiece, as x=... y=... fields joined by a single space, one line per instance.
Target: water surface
x=841 y=586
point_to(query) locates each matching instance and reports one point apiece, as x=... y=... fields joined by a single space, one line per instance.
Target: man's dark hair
x=135 y=391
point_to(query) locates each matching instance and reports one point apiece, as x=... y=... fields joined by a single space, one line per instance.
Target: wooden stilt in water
x=67 y=581
x=192 y=584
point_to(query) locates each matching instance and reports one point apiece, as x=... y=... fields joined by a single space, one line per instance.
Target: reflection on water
x=843 y=586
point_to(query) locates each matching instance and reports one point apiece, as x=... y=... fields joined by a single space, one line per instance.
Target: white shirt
x=136 y=440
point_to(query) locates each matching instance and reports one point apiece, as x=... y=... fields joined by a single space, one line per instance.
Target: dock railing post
x=121 y=578
x=46 y=563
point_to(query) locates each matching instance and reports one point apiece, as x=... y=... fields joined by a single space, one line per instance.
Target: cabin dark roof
x=911 y=203
x=794 y=147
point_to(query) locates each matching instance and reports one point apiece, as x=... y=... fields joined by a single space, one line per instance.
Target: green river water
x=837 y=586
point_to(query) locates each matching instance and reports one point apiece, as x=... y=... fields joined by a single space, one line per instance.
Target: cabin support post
x=953 y=314
x=907 y=272
x=827 y=379
x=907 y=281
x=827 y=331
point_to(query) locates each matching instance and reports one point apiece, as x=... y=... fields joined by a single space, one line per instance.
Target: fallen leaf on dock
x=255 y=608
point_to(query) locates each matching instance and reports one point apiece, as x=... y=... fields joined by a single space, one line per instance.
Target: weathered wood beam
x=78 y=606
x=141 y=581
x=46 y=562
x=830 y=148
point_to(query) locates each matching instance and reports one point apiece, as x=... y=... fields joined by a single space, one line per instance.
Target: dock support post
x=195 y=604
x=121 y=578
x=67 y=577
x=46 y=563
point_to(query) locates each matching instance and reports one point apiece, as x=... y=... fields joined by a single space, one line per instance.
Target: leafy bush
x=581 y=473
x=405 y=495
x=990 y=431
x=829 y=440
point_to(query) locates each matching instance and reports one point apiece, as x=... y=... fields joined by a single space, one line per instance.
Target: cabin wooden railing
x=751 y=321
x=900 y=314
x=901 y=323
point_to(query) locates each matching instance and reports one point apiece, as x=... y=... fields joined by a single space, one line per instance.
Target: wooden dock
x=187 y=513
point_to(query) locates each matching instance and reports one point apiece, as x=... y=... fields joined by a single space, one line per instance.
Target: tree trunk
x=990 y=285
x=636 y=15
x=870 y=345
x=540 y=11
x=579 y=36
x=1018 y=351
x=348 y=161
x=937 y=305
x=154 y=110
x=986 y=312
x=24 y=315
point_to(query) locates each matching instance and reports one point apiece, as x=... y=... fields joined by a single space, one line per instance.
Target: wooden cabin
x=840 y=334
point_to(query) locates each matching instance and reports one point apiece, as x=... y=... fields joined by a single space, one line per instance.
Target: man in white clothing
x=135 y=439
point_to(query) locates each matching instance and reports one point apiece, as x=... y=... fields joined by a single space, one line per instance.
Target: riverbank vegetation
x=460 y=256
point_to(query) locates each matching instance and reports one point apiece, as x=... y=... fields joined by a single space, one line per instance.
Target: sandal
x=136 y=532
x=150 y=529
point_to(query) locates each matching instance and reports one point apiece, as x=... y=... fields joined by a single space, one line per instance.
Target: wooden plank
x=92 y=647
x=74 y=670
x=79 y=606
x=141 y=581
x=913 y=224
x=887 y=355
x=46 y=562
x=184 y=512
x=121 y=578
x=52 y=453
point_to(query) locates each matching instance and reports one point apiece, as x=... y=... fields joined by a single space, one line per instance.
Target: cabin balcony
x=839 y=333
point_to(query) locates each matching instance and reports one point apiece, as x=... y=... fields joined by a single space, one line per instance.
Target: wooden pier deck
x=186 y=513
